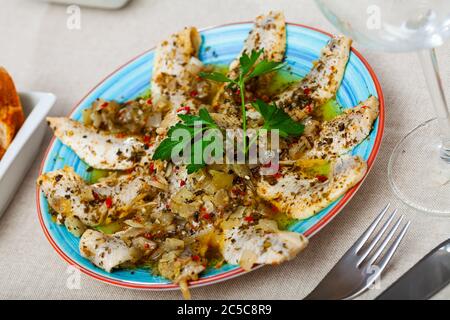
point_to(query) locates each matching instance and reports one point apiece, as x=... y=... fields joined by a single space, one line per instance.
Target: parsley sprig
x=249 y=68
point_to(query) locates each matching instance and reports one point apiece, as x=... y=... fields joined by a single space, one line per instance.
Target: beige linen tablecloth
x=43 y=54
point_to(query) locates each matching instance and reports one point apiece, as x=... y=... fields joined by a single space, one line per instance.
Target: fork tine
x=385 y=241
x=363 y=238
x=377 y=238
x=388 y=256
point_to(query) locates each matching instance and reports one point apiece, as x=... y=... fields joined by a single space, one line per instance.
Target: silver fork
x=362 y=264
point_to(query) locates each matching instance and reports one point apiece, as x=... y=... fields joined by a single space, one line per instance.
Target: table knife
x=423 y=280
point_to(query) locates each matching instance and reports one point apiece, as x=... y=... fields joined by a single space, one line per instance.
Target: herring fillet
x=65 y=191
x=268 y=33
x=69 y=195
x=175 y=69
x=341 y=134
x=250 y=245
x=106 y=251
x=320 y=84
x=98 y=149
x=171 y=77
x=302 y=197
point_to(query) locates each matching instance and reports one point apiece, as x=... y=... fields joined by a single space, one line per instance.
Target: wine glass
x=419 y=167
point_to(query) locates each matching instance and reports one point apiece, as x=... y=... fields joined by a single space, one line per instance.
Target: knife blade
x=426 y=278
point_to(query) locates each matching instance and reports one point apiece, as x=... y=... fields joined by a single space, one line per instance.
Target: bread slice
x=11 y=112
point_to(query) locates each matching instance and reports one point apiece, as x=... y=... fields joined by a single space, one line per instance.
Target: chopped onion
x=248 y=259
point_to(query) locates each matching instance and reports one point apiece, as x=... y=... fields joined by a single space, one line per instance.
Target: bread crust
x=11 y=112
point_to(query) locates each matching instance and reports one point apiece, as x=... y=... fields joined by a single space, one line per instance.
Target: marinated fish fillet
x=175 y=70
x=249 y=244
x=268 y=33
x=301 y=196
x=321 y=83
x=69 y=195
x=101 y=150
x=107 y=251
x=341 y=134
x=171 y=73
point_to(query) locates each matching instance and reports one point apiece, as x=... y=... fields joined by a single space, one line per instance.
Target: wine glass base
x=417 y=173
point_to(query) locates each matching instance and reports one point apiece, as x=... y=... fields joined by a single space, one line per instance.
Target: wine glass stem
x=431 y=71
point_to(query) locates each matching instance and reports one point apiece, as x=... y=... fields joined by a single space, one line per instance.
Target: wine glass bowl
x=419 y=167
x=391 y=25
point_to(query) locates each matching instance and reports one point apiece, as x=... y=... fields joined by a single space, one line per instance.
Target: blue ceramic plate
x=220 y=45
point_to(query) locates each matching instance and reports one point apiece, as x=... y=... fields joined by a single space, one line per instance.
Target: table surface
x=43 y=54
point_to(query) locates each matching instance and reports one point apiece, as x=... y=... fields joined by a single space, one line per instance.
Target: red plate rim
x=232 y=273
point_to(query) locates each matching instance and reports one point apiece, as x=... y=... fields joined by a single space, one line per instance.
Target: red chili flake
x=249 y=219
x=206 y=216
x=129 y=171
x=149 y=101
x=184 y=108
x=194 y=93
x=237 y=91
x=146 y=138
x=307 y=91
x=274 y=208
x=322 y=178
x=95 y=194
x=364 y=107
x=108 y=202
x=267 y=165
x=146 y=246
x=104 y=105
x=308 y=108
x=151 y=168
x=120 y=135
x=236 y=191
x=182 y=183
x=265 y=98
x=195 y=258
x=148 y=236
x=277 y=175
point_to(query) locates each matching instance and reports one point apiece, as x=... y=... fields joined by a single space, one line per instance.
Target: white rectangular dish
x=26 y=144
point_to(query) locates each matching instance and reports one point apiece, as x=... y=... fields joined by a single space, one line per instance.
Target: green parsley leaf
x=189 y=122
x=206 y=117
x=164 y=149
x=265 y=67
x=191 y=168
x=246 y=62
x=277 y=119
x=215 y=76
